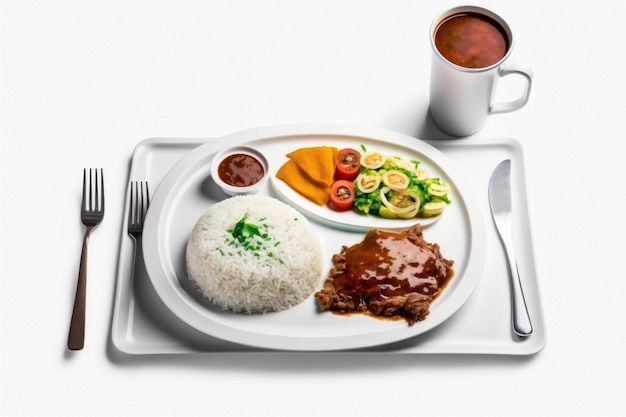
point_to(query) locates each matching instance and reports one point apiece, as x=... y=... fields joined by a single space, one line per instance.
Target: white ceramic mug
x=461 y=99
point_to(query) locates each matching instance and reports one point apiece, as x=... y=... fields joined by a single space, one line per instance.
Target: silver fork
x=139 y=202
x=91 y=214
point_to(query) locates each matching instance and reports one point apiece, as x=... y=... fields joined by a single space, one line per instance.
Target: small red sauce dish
x=239 y=170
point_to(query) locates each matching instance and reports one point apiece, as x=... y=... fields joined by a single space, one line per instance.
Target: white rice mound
x=284 y=272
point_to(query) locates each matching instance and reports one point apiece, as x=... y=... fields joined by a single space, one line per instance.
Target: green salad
x=394 y=187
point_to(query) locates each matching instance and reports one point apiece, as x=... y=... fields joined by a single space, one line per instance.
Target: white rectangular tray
x=143 y=325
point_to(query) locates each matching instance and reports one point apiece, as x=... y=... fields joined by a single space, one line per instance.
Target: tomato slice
x=347 y=164
x=342 y=195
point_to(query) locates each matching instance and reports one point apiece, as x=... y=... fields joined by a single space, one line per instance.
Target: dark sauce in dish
x=240 y=170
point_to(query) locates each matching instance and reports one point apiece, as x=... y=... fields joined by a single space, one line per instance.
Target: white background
x=84 y=81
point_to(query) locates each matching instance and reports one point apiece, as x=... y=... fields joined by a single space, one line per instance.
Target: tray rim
x=132 y=346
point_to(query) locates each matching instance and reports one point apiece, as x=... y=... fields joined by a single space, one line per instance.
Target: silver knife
x=500 y=203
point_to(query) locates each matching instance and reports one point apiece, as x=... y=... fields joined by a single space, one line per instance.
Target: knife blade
x=501 y=208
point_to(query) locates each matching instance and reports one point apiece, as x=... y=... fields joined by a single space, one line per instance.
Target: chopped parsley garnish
x=250 y=237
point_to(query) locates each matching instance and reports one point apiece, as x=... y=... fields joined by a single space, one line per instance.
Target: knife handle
x=521 y=319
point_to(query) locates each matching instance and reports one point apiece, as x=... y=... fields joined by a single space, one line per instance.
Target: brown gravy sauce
x=240 y=170
x=386 y=264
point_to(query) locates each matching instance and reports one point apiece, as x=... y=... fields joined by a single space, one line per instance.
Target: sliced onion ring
x=438 y=189
x=372 y=160
x=396 y=180
x=398 y=161
x=433 y=208
x=396 y=209
x=376 y=182
x=410 y=214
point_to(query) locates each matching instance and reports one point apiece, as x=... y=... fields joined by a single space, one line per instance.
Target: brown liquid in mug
x=471 y=40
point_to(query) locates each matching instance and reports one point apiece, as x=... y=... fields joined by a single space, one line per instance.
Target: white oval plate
x=187 y=191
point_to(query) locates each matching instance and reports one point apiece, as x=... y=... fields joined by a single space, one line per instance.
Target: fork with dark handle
x=139 y=202
x=91 y=214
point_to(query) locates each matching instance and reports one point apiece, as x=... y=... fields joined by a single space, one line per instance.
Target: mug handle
x=510 y=106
